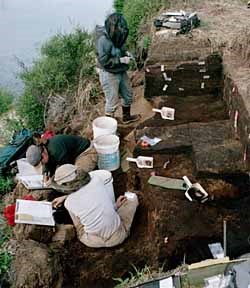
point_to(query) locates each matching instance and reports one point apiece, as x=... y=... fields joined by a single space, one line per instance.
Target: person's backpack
x=15 y=150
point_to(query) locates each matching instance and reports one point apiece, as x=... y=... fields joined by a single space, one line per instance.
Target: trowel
x=142 y=161
x=195 y=191
x=166 y=112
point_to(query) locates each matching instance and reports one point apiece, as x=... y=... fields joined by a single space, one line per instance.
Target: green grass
x=138 y=276
x=6 y=100
x=137 y=12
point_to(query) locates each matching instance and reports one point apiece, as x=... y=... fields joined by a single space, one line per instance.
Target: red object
x=9 y=211
x=48 y=134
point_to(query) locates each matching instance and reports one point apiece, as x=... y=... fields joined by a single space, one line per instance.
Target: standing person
x=113 y=60
x=98 y=221
x=62 y=149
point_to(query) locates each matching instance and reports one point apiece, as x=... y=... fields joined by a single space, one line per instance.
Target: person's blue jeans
x=113 y=85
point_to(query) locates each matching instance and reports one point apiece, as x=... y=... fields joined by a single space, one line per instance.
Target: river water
x=26 y=24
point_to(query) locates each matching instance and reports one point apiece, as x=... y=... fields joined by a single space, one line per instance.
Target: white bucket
x=107 y=179
x=104 y=126
x=107 y=147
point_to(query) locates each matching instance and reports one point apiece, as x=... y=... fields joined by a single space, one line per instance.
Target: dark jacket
x=109 y=57
x=63 y=149
x=110 y=46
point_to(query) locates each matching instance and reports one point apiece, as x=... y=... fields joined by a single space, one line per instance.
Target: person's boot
x=127 y=117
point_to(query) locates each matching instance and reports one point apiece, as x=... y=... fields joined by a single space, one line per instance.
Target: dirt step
x=204 y=108
x=184 y=137
x=214 y=149
x=225 y=158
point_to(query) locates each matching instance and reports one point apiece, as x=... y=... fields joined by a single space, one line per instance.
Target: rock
x=36 y=266
x=38 y=233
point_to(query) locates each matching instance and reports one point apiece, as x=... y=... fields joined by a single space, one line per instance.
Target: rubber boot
x=127 y=117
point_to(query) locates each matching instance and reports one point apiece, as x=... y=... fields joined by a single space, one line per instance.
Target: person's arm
x=57 y=202
x=104 y=54
x=120 y=201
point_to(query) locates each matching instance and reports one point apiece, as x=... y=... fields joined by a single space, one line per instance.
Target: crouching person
x=99 y=221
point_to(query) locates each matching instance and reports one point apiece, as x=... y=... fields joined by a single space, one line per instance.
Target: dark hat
x=34 y=155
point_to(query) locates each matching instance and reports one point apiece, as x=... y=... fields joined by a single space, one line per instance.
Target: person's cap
x=65 y=173
x=34 y=155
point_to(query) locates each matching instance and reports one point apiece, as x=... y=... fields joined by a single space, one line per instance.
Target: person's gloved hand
x=125 y=60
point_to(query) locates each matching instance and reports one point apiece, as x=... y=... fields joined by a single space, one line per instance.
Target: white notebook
x=30 y=176
x=34 y=212
x=32 y=182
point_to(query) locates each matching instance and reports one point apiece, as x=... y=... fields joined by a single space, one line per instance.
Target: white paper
x=216 y=250
x=25 y=168
x=32 y=181
x=130 y=195
x=34 y=212
x=151 y=141
x=166 y=283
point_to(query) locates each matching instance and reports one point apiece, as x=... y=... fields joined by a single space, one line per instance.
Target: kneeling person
x=63 y=149
x=98 y=221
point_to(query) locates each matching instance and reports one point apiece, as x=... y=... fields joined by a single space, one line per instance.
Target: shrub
x=6 y=185
x=5 y=101
x=136 y=12
x=65 y=59
x=118 y=5
x=5 y=260
x=31 y=111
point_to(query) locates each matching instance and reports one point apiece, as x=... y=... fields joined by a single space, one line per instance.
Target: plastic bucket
x=104 y=126
x=107 y=179
x=107 y=147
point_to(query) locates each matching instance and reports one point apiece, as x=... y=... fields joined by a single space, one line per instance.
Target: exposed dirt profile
x=208 y=141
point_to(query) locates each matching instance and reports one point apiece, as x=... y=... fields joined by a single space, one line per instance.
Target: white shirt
x=95 y=208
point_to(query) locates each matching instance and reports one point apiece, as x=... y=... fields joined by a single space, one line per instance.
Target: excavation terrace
x=205 y=76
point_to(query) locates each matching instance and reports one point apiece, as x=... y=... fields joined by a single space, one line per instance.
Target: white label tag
x=203 y=71
x=181 y=89
x=236 y=116
x=206 y=76
x=166 y=78
x=165 y=87
x=202 y=85
x=162 y=68
x=147 y=70
x=201 y=63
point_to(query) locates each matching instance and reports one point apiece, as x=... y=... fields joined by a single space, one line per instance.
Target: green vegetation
x=5 y=260
x=31 y=111
x=138 y=277
x=6 y=185
x=5 y=255
x=118 y=5
x=65 y=59
x=6 y=100
x=137 y=12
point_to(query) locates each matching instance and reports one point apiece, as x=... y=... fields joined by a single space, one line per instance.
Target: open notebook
x=34 y=212
x=31 y=177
